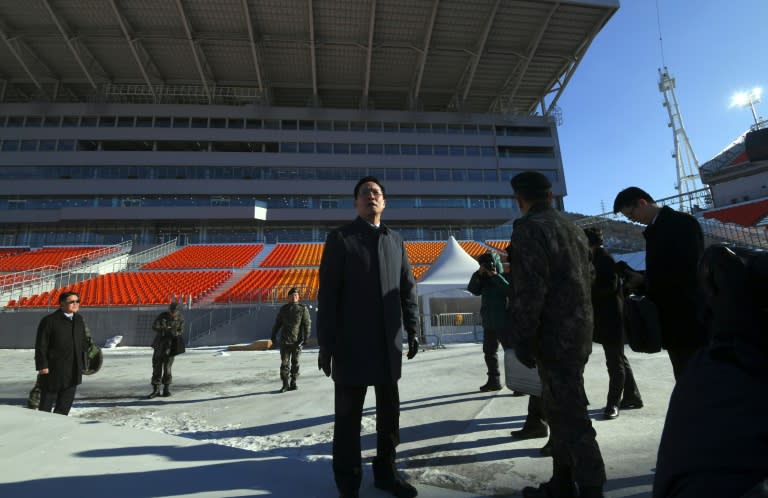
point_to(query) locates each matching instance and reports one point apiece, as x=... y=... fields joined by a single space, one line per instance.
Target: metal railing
x=442 y=328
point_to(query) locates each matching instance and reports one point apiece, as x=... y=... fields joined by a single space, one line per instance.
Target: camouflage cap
x=293 y=290
x=173 y=307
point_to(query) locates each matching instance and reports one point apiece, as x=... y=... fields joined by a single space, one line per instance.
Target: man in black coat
x=367 y=296
x=673 y=246
x=60 y=349
x=607 y=303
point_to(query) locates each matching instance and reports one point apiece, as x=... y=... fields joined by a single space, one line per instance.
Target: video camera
x=486 y=261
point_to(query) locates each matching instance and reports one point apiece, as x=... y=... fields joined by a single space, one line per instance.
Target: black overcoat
x=674 y=244
x=60 y=346
x=367 y=296
x=607 y=300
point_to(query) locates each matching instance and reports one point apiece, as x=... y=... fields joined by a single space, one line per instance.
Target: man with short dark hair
x=550 y=306
x=168 y=327
x=674 y=244
x=61 y=347
x=293 y=324
x=367 y=296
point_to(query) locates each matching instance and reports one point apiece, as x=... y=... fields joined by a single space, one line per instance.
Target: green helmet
x=93 y=360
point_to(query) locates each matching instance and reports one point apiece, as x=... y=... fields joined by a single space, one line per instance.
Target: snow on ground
x=453 y=437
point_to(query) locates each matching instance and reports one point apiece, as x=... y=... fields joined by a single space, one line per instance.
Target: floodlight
x=748 y=99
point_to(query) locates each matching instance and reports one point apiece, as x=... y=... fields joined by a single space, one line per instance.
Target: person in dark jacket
x=168 y=327
x=607 y=303
x=551 y=309
x=367 y=296
x=61 y=347
x=674 y=243
x=293 y=324
x=716 y=443
x=489 y=283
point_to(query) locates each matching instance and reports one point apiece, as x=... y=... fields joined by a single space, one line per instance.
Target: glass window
x=341 y=148
x=107 y=121
x=341 y=125
x=199 y=122
x=377 y=172
x=144 y=122
x=394 y=174
x=308 y=173
x=472 y=150
x=330 y=174
x=486 y=129
x=425 y=150
x=324 y=126
x=28 y=145
x=442 y=175
x=459 y=175
x=427 y=175
x=457 y=150
x=470 y=130
x=181 y=122
x=253 y=124
x=271 y=124
x=307 y=148
x=488 y=151
x=441 y=150
x=33 y=121
x=474 y=175
x=375 y=149
x=288 y=147
x=46 y=145
x=236 y=123
x=454 y=129
x=52 y=121
x=392 y=149
x=438 y=128
x=69 y=121
x=353 y=174
x=423 y=128
x=374 y=126
x=218 y=123
x=15 y=121
x=409 y=174
x=290 y=124
x=162 y=122
x=390 y=127
x=324 y=148
x=489 y=175
x=66 y=145
x=270 y=147
x=358 y=148
x=357 y=126
x=407 y=128
x=408 y=150
x=10 y=145
x=306 y=125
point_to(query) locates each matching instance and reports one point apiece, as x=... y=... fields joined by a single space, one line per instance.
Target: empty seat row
x=207 y=256
x=47 y=256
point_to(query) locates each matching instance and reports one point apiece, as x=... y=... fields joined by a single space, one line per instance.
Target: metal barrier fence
x=443 y=328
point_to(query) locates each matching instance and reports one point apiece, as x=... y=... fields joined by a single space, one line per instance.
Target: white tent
x=447 y=278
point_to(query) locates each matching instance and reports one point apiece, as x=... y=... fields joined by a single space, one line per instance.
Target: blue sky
x=614 y=132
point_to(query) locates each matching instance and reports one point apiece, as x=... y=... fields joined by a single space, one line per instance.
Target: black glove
x=324 y=362
x=524 y=355
x=413 y=346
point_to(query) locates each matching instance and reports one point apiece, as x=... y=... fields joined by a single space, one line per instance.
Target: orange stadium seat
x=207 y=256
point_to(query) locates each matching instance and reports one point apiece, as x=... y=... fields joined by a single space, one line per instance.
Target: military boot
x=155 y=392
x=285 y=387
x=493 y=384
x=293 y=386
x=166 y=390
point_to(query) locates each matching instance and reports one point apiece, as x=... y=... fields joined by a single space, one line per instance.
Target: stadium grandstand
x=222 y=138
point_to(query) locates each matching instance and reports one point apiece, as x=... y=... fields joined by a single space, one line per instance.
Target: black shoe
x=293 y=386
x=546 y=450
x=166 y=392
x=611 y=412
x=550 y=490
x=517 y=394
x=493 y=384
x=526 y=433
x=397 y=486
x=631 y=404
x=155 y=392
x=591 y=492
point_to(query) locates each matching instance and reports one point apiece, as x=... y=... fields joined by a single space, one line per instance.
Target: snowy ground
x=235 y=435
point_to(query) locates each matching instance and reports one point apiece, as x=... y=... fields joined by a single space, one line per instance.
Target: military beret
x=173 y=306
x=530 y=182
x=293 y=290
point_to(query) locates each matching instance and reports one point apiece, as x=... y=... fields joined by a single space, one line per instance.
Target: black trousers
x=62 y=400
x=348 y=405
x=680 y=356
x=575 y=453
x=490 y=350
x=620 y=377
x=535 y=419
x=162 y=363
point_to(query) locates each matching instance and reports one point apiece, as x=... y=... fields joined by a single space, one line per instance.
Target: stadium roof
x=513 y=56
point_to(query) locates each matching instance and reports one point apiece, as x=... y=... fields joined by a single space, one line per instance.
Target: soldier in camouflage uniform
x=168 y=327
x=293 y=323
x=550 y=307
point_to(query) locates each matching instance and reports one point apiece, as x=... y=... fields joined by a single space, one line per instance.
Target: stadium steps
x=255 y=262
x=237 y=274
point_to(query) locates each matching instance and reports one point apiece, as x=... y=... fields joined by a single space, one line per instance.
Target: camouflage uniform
x=294 y=324
x=167 y=327
x=550 y=307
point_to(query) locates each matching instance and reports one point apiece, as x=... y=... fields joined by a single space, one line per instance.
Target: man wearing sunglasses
x=60 y=348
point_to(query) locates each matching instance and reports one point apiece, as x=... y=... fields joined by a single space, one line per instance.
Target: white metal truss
x=369 y=55
x=132 y=46
x=15 y=49
x=252 y=43
x=193 y=47
x=425 y=51
x=479 y=51
x=312 y=56
x=687 y=166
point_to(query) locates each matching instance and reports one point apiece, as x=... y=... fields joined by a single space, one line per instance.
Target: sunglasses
x=77 y=301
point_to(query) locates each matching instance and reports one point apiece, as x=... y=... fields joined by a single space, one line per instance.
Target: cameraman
x=489 y=283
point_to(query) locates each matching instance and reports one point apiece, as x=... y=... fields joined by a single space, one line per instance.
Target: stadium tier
x=271 y=285
x=420 y=253
x=47 y=256
x=288 y=255
x=473 y=248
x=501 y=245
x=207 y=256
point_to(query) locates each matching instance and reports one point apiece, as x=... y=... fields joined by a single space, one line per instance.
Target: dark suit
x=367 y=296
x=607 y=299
x=60 y=346
x=674 y=244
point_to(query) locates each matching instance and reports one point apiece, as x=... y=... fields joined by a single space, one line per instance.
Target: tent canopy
x=450 y=272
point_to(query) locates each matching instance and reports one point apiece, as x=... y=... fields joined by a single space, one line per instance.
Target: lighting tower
x=687 y=165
